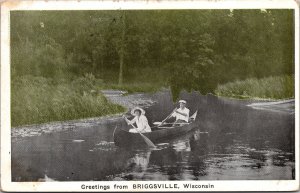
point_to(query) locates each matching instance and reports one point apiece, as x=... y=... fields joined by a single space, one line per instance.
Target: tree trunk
x=122 y=50
x=102 y=67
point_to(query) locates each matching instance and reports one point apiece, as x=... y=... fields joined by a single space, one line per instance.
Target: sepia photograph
x=185 y=96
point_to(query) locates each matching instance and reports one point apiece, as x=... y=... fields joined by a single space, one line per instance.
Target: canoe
x=124 y=138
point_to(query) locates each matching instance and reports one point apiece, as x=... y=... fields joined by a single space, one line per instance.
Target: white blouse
x=182 y=117
x=142 y=123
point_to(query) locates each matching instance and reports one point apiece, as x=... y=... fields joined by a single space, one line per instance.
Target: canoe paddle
x=146 y=139
x=160 y=123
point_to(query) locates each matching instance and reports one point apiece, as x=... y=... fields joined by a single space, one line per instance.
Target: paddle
x=160 y=123
x=146 y=139
x=193 y=117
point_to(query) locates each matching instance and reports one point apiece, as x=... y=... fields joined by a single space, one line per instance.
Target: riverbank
x=38 y=100
x=280 y=106
x=58 y=126
x=116 y=97
x=128 y=100
x=270 y=88
x=287 y=106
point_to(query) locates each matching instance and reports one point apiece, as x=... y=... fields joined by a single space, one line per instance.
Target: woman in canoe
x=140 y=120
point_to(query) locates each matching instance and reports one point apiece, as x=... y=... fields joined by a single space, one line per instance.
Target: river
x=232 y=142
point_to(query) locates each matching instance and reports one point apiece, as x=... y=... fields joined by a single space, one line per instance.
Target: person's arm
x=173 y=113
x=184 y=114
x=129 y=122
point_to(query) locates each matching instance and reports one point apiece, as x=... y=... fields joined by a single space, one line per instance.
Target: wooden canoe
x=123 y=138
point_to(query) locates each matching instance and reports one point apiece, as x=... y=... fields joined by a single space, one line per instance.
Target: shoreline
x=129 y=101
x=58 y=126
x=118 y=97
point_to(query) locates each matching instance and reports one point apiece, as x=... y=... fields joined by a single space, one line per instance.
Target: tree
x=182 y=49
x=122 y=48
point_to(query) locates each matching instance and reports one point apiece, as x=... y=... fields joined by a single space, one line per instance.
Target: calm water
x=232 y=142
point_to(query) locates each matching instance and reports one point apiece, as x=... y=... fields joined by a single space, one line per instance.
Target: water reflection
x=137 y=166
x=195 y=158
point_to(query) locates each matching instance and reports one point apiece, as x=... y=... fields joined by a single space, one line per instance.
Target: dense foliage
x=183 y=49
x=58 y=57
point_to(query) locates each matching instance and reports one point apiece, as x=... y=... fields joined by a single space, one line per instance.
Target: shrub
x=39 y=100
x=278 y=87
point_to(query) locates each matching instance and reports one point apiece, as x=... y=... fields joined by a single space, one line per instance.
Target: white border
x=246 y=185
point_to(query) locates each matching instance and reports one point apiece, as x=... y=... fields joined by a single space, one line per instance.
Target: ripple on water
x=105 y=143
x=104 y=146
x=78 y=140
x=182 y=146
x=161 y=146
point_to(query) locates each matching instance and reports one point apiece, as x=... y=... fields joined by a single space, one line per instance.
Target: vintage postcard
x=142 y=96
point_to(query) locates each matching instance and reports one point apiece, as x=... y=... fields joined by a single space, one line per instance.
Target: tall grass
x=40 y=100
x=278 y=87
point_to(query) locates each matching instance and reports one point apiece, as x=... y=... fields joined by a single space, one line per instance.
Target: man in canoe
x=181 y=114
x=140 y=120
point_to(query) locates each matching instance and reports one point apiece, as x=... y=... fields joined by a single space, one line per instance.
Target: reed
x=40 y=100
x=275 y=87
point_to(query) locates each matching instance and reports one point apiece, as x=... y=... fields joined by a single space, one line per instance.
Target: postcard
x=144 y=96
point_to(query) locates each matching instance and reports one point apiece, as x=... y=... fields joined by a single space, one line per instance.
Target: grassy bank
x=279 y=87
x=40 y=100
